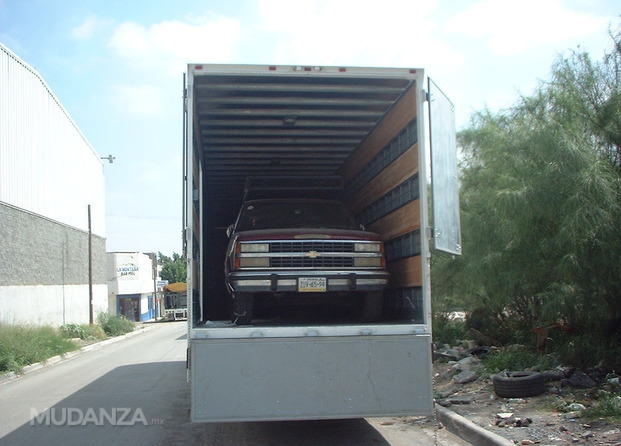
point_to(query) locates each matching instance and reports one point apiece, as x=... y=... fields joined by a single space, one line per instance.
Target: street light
x=110 y=158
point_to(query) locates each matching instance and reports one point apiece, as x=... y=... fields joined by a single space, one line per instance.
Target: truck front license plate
x=312 y=284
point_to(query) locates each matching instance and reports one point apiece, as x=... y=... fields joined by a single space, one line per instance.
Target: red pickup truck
x=296 y=249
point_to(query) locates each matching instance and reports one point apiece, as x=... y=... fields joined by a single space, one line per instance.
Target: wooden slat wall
x=403 y=220
x=389 y=178
x=402 y=113
x=405 y=272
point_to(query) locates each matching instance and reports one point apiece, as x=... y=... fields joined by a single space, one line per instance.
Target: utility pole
x=90 y=268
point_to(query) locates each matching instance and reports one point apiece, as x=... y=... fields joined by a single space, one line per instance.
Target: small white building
x=132 y=285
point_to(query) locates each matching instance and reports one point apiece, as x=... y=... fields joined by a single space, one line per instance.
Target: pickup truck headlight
x=255 y=247
x=367 y=247
x=253 y=262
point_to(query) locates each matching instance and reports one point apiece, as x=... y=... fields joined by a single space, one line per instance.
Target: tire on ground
x=518 y=384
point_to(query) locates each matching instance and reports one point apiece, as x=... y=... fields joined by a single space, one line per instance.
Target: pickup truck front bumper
x=287 y=281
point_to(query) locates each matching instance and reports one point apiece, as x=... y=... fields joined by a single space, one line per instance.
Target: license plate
x=312 y=284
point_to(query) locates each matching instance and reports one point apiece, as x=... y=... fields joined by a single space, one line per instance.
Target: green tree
x=173 y=269
x=541 y=207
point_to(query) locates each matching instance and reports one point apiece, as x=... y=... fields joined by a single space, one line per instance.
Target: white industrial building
x=50 y=177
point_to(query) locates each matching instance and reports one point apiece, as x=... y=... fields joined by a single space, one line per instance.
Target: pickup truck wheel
x=243 y=304
x=371 y=306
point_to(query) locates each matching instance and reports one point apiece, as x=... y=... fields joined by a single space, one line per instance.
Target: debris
x=576 y=407
x=448 y=402
x=504 y=415
x=467 y=376
x=579 y=380
x=553 y=375
x=467 y=362
x=516 y=401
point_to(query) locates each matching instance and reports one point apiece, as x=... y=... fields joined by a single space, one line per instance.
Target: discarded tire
x=518 y=384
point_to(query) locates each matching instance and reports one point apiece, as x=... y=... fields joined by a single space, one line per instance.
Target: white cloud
x=88 y=28
x=516 y=27
x=168 y=46
x=340 y=32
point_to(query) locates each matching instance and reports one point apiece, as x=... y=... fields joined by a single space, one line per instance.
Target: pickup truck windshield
x=282 y=215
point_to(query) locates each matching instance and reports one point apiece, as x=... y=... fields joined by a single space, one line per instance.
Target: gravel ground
x=525 y=421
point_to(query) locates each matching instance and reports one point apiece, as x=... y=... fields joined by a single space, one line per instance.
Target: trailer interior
x=307 y=121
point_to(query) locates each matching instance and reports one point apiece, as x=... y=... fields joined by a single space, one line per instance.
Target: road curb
x=469 y=431
x=72 y=354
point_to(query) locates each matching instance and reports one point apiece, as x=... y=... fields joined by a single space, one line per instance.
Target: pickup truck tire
x=243 y=304
x=518 y=384
x=371 y=306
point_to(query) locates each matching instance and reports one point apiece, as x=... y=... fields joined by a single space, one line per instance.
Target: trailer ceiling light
x=289 y=121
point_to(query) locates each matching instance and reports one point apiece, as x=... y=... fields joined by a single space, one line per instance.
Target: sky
x=117 y=67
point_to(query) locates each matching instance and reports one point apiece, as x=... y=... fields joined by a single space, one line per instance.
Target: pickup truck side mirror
x=229 y=230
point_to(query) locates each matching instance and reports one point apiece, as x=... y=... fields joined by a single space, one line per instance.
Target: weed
x=21 y=345
x=115 y=325
x=517 y=358
x=85 y=332
x=608 y=406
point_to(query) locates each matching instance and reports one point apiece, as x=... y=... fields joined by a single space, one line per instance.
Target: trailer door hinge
x=426 y=96
x=429 y=232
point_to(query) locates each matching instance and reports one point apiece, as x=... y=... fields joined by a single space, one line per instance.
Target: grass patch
x=85 y=332
x=23 y=345
x=516 y=358
x=115 y=325
x=608 y=407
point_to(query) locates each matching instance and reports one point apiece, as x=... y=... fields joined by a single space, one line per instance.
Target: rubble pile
x=555 y=417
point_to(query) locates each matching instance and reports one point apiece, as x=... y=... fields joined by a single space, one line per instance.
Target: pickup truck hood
x=307 y=234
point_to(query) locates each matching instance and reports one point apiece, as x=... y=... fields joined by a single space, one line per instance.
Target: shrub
x=115 y=325
x=448 y=331
x=72 y=331
x=94 y=332
x=86 y=332
x=586 y=350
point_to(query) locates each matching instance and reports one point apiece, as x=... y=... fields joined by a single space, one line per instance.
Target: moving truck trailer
x=368 y=128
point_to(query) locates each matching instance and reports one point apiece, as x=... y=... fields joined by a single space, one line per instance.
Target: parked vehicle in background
x=176 y=301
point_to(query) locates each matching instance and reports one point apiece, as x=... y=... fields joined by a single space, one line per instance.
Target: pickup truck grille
x=304 y=262
x=321 y=247
x=311 y=245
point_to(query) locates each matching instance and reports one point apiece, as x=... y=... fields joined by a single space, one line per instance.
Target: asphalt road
x=134 y=392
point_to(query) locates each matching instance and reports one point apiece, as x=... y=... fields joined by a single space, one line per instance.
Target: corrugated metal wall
x=46 y=165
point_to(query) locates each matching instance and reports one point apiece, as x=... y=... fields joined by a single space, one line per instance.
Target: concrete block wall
x=44 y=270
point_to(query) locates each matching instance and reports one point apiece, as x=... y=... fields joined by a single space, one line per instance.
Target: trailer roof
x=275 y=120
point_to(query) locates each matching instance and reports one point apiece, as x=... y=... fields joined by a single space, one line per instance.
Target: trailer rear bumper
x=263 y=379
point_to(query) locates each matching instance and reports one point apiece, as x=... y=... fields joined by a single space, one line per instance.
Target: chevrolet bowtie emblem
x=312 y=254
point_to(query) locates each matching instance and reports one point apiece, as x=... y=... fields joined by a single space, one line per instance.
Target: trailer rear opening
x=365 y=126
